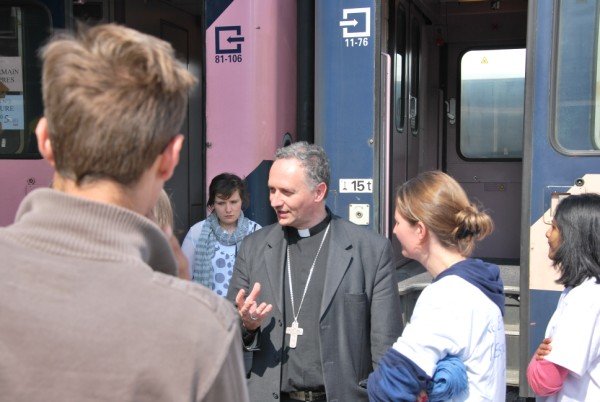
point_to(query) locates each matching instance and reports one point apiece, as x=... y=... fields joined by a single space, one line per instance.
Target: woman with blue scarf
x=211 y=245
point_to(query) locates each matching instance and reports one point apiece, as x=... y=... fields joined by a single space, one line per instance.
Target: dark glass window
x=415 y=55
x=22 y=31
x=399 y=74
x=577 y=125
x=492 y=94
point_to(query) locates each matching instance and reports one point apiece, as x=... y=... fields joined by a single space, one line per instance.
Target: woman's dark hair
x=577 y=218
x=224 y=185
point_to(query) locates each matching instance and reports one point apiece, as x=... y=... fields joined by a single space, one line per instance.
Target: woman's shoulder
x=253 y=226
x=587 y=293
x=195 y=230
x=198 y=225
x=455 y=292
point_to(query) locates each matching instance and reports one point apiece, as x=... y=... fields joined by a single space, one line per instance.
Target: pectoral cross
x=294 y=332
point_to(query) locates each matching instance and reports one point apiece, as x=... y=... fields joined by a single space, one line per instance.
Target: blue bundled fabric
x=398 y=379
x=449 y=380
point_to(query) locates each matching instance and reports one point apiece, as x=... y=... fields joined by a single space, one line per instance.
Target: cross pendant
x=294 y=332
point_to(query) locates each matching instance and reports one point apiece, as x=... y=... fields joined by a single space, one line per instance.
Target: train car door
x=562 y=144
x=485 y=102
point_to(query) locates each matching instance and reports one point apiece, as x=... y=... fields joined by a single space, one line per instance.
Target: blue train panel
x=562 y=152
x=545 y=159
x=345 y=74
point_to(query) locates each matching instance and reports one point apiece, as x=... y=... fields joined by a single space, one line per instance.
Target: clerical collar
x=319 y=227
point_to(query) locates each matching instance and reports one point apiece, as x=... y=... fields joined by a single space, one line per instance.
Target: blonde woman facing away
x=211 y=245
x=162 y=215
x=458 y=316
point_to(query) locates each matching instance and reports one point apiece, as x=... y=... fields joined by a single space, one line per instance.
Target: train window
x=492 y=95
x=91 y=12
x=399 y=80
x=577 y=90
x=23 y=29
x=415 y=55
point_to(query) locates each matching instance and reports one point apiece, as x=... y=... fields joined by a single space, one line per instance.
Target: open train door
x=561 y=148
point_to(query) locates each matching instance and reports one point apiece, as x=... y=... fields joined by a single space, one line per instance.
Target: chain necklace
x=294 y=330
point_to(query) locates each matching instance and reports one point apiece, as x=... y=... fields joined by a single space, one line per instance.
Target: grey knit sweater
x=85 y=314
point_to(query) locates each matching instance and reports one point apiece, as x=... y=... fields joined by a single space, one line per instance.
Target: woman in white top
x=211 y=245
x=459 y=315
x=566 y=366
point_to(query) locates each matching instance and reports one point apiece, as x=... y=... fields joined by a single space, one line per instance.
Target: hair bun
x=465 y=232
x=472 y=222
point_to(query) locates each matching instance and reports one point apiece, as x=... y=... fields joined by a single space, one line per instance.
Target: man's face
x=294 y=202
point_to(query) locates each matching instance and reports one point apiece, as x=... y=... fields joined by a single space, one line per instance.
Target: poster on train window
x=12 y=112
x=11 y=73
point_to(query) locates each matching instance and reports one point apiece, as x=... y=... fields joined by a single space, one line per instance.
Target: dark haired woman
x=566 y=366
x=211 y=245
x=459 y=315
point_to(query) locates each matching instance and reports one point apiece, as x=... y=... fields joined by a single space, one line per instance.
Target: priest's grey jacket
x=359 y=315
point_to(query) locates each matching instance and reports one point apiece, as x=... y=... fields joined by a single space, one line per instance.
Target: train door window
x=23 y=29
x=492 y=94
x=93 y=12
x=399 y=76
x=577 y=90
x=415 y=54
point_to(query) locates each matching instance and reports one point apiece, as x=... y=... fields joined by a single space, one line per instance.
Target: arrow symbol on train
x=231 y=39
x=348 y=23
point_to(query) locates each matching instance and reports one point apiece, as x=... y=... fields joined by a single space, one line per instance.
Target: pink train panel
x=251 y=84
x=17 y=178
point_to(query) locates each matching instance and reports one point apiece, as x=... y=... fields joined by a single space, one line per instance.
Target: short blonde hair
x=162 y=213
x=114 y=98
x=441 y=204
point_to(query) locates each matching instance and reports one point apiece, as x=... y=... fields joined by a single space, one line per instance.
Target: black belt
x=307 y=396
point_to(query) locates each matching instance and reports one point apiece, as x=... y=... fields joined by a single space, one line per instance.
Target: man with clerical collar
x=316 y=294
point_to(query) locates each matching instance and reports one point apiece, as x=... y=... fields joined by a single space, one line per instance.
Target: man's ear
x=43 y=141
x=320 y=191
x=170 y=157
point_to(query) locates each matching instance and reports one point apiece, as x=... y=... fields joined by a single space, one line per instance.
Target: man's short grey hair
x=312 y=158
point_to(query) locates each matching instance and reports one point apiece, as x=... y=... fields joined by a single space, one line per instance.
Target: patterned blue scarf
x=211 y=234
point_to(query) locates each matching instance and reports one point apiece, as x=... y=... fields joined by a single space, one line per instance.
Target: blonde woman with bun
x=459 y=315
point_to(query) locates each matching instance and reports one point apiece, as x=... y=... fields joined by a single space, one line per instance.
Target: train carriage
x=500 y=94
